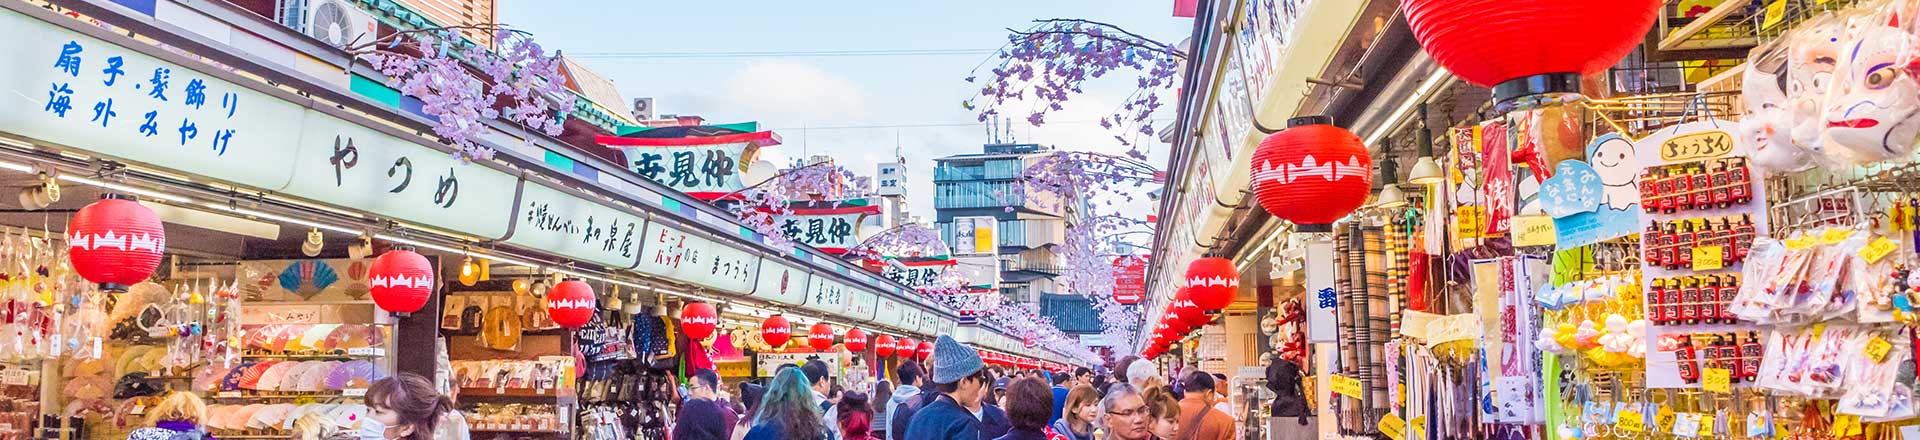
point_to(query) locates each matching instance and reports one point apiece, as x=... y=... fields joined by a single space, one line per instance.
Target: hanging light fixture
x=469 y=273
x=1425 y=170
x=315 y=242
x=1391 y=197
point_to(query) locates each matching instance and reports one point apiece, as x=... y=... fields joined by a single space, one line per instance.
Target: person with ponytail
x=407 y=407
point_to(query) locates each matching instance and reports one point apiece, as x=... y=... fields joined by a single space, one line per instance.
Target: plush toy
x=1615 y=339
x=1587 y=336
x=1637 y=342
x=1873 y=110
x=1764 y=128
x=1548 y=344
x=1563 y=335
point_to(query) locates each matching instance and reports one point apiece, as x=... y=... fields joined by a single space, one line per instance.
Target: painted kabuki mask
x=1873 y=110
x=1764 y=127
x=1812 y=55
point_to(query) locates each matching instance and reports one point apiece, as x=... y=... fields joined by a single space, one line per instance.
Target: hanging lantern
x=400 y=281
x=1312 y=173
x=1189 y=313
x=697 y=320
x=1212 y=282
x=882 y=346
x=820 y=337
x=776 y=331
x=1029 y=363
x=571 y=304
x=925 y=350
x=905 y=346
x=116 y=242
x=855 y=340
x=1525 y=47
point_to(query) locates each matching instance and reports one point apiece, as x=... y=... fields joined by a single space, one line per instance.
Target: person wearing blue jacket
x=960 y=379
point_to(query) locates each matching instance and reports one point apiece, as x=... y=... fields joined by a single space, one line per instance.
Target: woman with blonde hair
x=317 y=426
x=176 y=417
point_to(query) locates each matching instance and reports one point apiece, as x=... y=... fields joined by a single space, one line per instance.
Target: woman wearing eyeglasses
x=1124 y=414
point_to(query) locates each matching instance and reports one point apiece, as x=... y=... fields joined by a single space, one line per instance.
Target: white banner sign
x=769 y=363
x=349 y=165
x=554 y=221
x=861 y=305
x=701 y=170
x=826 y=295
x=677 y=255
x=781 y=283
x=1321 y=300
x=889 y=312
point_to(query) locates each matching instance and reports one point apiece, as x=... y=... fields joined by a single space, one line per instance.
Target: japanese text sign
x=555 y=221
x=678 y=255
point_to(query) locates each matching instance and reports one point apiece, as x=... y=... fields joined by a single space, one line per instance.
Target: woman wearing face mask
x=406 y=407
x=1082 y=409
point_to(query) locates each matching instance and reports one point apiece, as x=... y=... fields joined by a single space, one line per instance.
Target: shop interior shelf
x=508 y=392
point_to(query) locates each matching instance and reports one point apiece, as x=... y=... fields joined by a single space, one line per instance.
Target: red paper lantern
x=116 y=242
x=883 y=346
x=925 y=350
x=1212 y=282
x=697 y=320
x=1312 y=173
x=905 y=346
x=1504 y=44
x=1189 y=313
x=855 y=340
x=1029 y=363
x=400 y=281
x=820 y=337
x=776 y=331
x=571 y=303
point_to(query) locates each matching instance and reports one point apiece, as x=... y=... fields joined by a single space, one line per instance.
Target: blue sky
x=787 y=93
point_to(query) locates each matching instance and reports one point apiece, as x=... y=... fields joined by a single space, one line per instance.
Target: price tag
x=1707 y=257
x=1686 y=425
x=366 y=351
x=1776 y=11
x=1717 y=380
x=1663 y=420
x=1845 y=425
x=1835 y=235
x=1631 y=421
x=1799 y=242
x=1878 y=249
x=1346 y=386
x=1419 y=425
x=354 y=392
x=1707 y=424
x=1877 y=349
x=14 y=376
x=1393 y=427
x=1757 y=425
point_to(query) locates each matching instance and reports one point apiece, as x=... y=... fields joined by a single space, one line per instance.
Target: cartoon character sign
x=1612 y=159
x=1873 y=110
x=1766 y=123
x=1812 y=57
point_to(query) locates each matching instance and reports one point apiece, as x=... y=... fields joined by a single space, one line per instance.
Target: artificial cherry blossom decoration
x=116 y=242
x=438 y=68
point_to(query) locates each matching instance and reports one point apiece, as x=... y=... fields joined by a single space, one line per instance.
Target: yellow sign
x=1706 y=144
x=1878 y=249
x=1878 y=348
x=1663 y=420
x=1846 y=425
x=1708 y=257
x=1393 y=427
x=1532 y=230
x=1419 y=425
x=1631 y=421
x=1469 y=222
x=1835 y=235
x=1717 y=380
x=1706 y=424
x=1346 y=386
x=733 y=369
x=1776 y=11
x=1799 y=242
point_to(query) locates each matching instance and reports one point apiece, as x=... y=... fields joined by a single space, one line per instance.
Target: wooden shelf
x=509 y=392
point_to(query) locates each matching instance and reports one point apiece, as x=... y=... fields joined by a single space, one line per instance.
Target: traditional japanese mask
x=1873 y=110
x=1764 y=128
x=1812 y=56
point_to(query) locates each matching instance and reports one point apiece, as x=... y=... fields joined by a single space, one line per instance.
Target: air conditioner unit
x=339 y=23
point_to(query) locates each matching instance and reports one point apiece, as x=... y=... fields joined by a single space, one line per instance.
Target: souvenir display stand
x=512 y=366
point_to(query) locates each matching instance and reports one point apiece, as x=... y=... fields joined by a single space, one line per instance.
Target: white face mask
x=371 y=429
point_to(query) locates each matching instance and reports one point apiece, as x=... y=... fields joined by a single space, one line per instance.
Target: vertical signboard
x=1321 y=299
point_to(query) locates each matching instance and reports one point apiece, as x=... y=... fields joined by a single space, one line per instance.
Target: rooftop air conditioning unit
x=338 y=23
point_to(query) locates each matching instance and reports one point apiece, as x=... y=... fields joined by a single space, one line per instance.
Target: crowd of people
x=953 y=396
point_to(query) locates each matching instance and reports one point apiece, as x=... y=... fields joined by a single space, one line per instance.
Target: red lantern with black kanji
x=1522 y=47
x=925 y=350
x=571 y=303
x=820 y=337
x=697 y=320
x=1312 y=173
x=116 y=242
x=855 y=340
x=776 y=331
x=400 y=281
x=883 y=346
x=1212 y=282
x=905 y=346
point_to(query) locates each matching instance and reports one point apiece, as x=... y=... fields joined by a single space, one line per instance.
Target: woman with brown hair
x=1165 y=411
x=1080 y=412
x=410 y=409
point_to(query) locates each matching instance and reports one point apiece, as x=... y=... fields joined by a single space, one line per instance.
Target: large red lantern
x=883 y=346
x=400 y=281
x=925 y=350
x=1029 y=363
x=905 y=347
x=1522 y=47
x=1189 y=314
x=571 y=303
x=820 y=337
x=697 y=320
x=776 y=331
x=855 y=340
x=1312 y=173
x=116 y=242
x=1212 y=282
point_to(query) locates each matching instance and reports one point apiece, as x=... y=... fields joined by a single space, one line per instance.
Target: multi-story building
x=982 y=211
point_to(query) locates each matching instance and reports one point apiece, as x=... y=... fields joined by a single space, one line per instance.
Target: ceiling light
x=314 y=243
x=1391 y=197
x=1425 y=172
x=40 y=195
x=469 y=272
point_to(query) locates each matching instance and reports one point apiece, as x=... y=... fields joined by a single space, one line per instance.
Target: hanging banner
x=1497 y=163
x=705 y=172
x=861 y=305
x=890 y=313
x=781 y=283
x=564 y=224
x=916 y=272
x=1596 y=199
x=350 y=165
x=1322 y=300
x=832 y=227
x=676 y=255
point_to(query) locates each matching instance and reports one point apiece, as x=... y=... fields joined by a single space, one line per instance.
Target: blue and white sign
x=1594 y=200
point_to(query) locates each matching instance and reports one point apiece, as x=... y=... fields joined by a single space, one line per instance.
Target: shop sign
x=832 y=227
x=1321 y=299
x=918 y=273
x=861 y=305
x=976 y=236
x=1233 y=110
x=733 y=369
x=1129 y=279
x=826 y=295
x=909 y=318
x=1265 y=35
x=71 y=89
x=781 y=283
x=350 y=165
x=1596 y=199
x=565 y=224
x=677 y=255
x=769 y=363
x=889 y=312
x=703 y=171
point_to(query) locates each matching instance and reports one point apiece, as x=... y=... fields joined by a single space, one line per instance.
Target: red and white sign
x=1129 y=279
